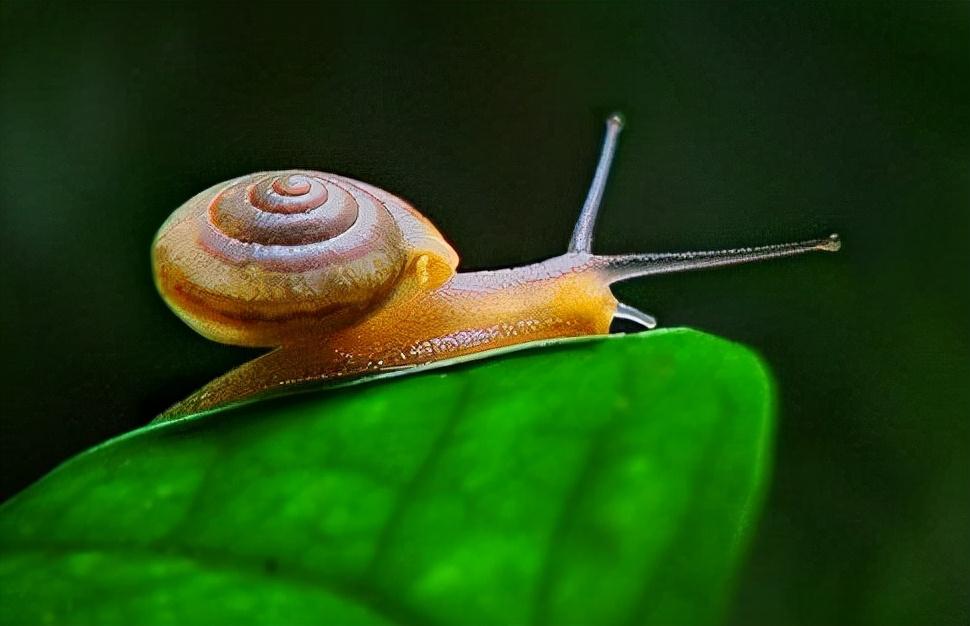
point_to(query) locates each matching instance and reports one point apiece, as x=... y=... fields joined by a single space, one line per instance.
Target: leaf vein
x=362 y=595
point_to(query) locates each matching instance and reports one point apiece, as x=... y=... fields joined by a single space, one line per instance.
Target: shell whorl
x=288 y=210
x=272 y=257
x=299 y=222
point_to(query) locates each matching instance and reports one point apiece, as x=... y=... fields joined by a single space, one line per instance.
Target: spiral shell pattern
x=274 y=257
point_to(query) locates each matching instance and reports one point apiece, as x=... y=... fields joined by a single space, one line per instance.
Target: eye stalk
x=582 y=240
x=627 y=266
x=616 y=268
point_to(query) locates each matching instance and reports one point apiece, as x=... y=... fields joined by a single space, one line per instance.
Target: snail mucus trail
x=341 y=278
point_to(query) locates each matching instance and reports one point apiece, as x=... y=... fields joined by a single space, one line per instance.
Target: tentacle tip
x=616 y=120
x=832 y=244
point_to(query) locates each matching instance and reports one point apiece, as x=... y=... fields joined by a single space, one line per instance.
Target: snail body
x=342 y=278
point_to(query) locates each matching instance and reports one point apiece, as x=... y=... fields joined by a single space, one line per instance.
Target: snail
x=340 y=278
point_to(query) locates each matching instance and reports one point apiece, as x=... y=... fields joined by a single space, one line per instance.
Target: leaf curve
x=610 y=482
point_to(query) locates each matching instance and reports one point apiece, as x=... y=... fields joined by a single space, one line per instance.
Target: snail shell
x=279 y=257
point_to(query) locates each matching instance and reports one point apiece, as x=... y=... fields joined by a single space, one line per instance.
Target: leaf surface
x=611 y=481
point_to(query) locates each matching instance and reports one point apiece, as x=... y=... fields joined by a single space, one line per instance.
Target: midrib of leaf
x=407 y=495
x=540 y=608
x=642 y=607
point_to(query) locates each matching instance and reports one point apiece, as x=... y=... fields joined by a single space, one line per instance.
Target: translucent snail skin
x=341 y=279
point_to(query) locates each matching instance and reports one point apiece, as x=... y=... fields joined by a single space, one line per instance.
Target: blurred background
x=746 y=125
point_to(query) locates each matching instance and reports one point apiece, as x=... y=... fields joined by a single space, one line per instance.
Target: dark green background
x=746 y=125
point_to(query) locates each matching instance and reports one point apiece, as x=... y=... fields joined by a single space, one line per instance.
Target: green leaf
x=611 y=481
